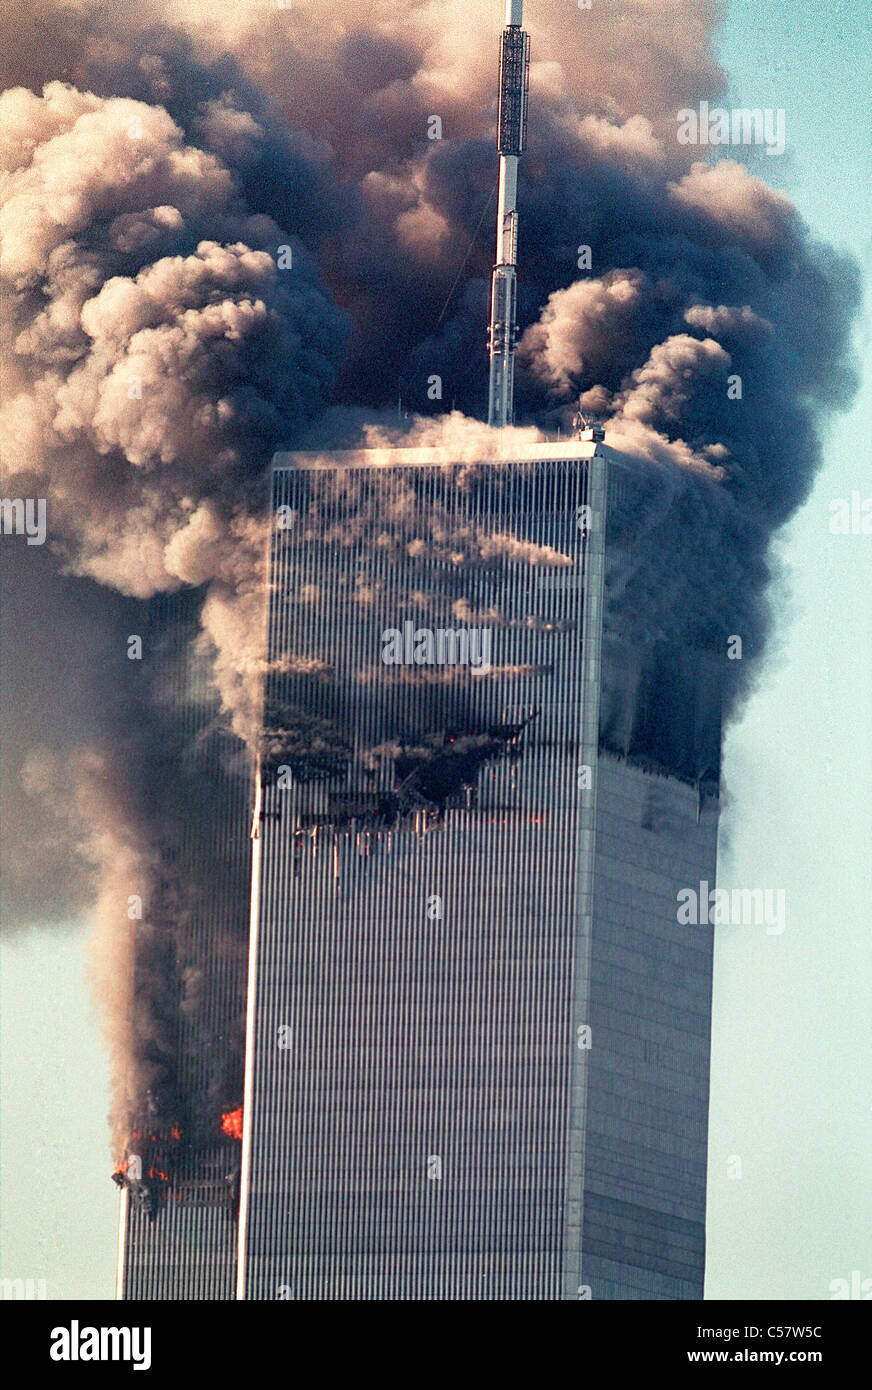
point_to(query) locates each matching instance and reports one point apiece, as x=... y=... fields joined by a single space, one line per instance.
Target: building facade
x=179 y=1174
x=478 y=1039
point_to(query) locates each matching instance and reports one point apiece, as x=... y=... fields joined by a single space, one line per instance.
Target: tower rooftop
x=499 y=449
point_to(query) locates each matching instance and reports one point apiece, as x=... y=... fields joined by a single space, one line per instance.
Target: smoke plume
x=228 y=230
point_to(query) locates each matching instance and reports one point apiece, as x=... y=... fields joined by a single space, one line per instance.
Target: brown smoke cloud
x=226 y=231
x=90 y=796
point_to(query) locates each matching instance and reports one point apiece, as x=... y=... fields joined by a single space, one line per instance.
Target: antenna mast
x=511 y=140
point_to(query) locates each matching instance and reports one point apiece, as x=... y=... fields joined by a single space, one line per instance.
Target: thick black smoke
x=230 y=232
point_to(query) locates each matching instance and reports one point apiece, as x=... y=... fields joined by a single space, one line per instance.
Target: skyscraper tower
x=179 y=1172
x=511 y=140
x=477 y=1040
x=477 y=1059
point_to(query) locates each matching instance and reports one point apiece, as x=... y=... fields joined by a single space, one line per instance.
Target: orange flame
x=231 y=1123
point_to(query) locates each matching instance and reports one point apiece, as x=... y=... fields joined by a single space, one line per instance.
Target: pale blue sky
x=792 y=1041
x=792 y=1050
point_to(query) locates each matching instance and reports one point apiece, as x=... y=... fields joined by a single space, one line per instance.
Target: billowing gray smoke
x=226 y=230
